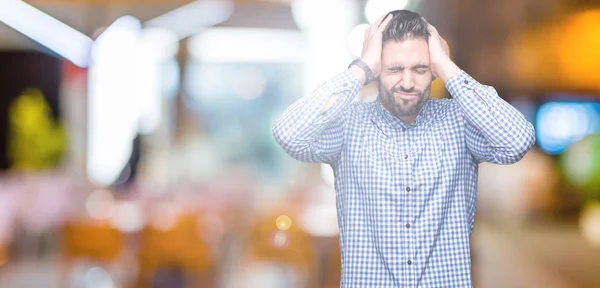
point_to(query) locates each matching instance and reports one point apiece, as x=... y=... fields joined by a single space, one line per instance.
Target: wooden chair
x=93 y=240
x=179 y=246
x=292 y=248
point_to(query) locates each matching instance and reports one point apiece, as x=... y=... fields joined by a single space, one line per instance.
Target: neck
x=406 y=119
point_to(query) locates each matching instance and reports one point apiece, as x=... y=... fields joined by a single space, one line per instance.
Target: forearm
x=300 y=125
x=448 y=70
x=358 y=74
x=505 y=129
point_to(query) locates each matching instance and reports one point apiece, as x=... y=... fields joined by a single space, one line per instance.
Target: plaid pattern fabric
x=405 y=194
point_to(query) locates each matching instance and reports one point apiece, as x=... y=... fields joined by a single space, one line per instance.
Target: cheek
x=389 y=81
x=423 y=81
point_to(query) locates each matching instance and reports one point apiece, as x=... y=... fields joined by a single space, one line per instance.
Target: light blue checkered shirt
x=406 y=194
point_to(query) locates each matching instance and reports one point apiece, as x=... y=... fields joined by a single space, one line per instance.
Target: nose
x=407 y=81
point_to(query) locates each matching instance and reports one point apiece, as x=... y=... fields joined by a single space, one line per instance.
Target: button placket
x=407 y=190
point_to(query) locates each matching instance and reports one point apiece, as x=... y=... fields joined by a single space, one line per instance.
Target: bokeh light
x=280 y=239
x=315 y=16
x=561 y=123
x=581 y=166
x=100 y=204
x=356 y=39
x=377 y=8
x=128 y=217
x=164 y=216
x=98 y=278
x=319 y=216
x=589 y=223
x=250 y=83
x=283 y=222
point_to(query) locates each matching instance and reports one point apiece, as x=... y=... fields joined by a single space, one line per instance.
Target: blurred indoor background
x=136 y=147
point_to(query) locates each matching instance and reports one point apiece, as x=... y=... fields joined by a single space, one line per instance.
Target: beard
x=404 y=107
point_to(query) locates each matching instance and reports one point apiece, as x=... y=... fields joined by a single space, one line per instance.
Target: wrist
x=367 y=73
x=358 y=73
x=448 y=70
x=370 y=64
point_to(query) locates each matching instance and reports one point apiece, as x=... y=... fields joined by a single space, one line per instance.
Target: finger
x=380 y=19
x=382 y=24
x=432 y=31
x=447 y=47
x=430 y=27
x=385 y=23
x=376 y=24
x=384 y=19
x=443 y=41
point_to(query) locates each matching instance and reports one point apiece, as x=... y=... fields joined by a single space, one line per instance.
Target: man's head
x=405 y=79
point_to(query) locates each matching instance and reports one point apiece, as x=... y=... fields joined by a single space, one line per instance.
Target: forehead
x=405 y=53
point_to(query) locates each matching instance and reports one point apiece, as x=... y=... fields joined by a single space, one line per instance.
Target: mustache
x=407 y=91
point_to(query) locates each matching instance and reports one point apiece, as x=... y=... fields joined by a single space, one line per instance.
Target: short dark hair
x=405 y=25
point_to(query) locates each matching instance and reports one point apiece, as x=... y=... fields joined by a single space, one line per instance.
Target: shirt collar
x=387 y=117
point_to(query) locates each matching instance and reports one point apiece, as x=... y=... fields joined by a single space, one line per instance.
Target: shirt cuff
x=462 y=81
x=345 y=85
x=344 y=81
x=464 y=88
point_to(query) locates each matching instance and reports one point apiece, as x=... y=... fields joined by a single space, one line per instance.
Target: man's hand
x=372 y=45
x=439 y=56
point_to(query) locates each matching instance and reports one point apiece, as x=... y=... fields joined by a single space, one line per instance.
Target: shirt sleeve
x=309 y=134
x=495 y=131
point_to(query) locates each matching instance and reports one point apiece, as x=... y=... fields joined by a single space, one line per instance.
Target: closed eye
x=421 y=71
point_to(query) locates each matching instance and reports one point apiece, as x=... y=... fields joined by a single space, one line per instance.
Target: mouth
x=406 y=95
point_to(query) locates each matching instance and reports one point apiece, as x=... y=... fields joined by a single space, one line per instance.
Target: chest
x=388 y=158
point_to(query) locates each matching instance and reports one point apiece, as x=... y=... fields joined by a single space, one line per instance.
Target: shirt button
x=345 y=84
x=407 y=189
x=466 y=81
x=405 y=156
x=407 y=225
x=408 y=262
x=403 y=129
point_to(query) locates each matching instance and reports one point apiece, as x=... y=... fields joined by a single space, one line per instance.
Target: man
x=405 y=165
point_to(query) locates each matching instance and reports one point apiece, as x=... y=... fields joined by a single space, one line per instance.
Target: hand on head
x=372 y=44
x=438 y=49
